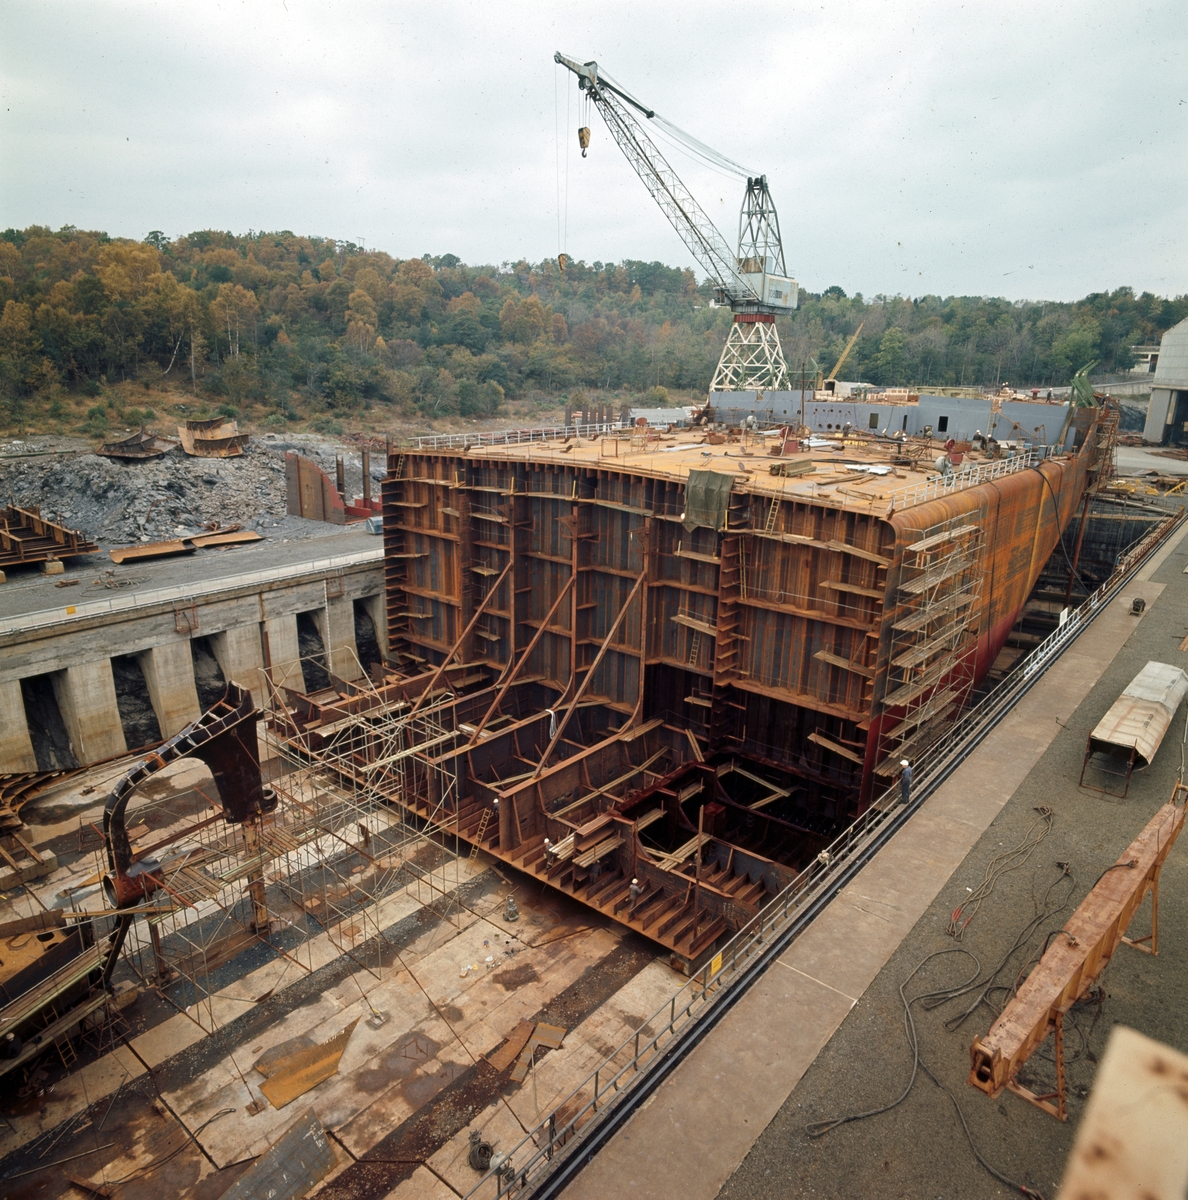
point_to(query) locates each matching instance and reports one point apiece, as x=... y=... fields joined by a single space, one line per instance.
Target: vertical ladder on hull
x=484 y=820
x=694 y=648
x=772 y=513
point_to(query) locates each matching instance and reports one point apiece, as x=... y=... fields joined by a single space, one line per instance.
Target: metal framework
x=1076 y=957
x=752 y=356
x=581 y=1122
x=935 y=627
x=322 y=863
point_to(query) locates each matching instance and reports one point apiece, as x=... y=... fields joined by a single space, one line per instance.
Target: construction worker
x=633 y=892
x=905 y=781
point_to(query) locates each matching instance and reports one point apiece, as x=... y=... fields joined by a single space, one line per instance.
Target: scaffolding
x=323 y=874
x=935 y=627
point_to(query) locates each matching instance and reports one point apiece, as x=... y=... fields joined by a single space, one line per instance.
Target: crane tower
x=753 y=279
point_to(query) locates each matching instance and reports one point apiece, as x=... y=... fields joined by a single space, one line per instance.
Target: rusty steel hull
x=599 y=643
x=797 y=635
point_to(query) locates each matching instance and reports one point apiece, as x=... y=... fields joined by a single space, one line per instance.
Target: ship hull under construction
x=663 y=673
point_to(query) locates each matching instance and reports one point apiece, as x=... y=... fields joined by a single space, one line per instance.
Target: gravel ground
x=918 y=1149
x=116 y=502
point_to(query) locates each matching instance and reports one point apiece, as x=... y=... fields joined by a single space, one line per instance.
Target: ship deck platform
x=821 y=1034
x=874 y=475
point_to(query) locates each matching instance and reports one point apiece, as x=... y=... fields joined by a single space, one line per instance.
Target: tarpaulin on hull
x=707 y=495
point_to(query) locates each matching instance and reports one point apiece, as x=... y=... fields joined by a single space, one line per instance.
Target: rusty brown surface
x=140 y=445
x=591 y=661
x=1078 y=953
x=216 y=438
x=27 y=537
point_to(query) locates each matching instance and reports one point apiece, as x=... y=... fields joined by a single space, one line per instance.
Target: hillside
x=292 y=332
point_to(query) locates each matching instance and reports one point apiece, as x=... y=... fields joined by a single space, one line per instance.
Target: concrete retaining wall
x=248 y=627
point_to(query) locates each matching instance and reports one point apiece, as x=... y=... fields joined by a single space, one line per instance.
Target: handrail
x=595 y=1097
x=966 y=477
x=511 y=437
x=186 y=591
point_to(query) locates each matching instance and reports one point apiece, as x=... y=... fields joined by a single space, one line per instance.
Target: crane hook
x=584 y=139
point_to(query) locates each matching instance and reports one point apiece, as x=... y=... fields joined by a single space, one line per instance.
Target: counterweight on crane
x=753 y=279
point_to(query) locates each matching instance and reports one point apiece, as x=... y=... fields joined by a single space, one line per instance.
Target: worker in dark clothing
x=905 y=781
x=633 y=892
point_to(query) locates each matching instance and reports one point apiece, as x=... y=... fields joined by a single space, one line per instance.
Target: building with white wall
x=1167 y=413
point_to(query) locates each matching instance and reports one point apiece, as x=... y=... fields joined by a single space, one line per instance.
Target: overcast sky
x=1032 y=150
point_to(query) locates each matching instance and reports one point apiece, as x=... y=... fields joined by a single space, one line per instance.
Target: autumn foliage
x=294 y=326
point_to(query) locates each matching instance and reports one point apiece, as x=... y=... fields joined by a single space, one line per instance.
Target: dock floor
x=821 y=1035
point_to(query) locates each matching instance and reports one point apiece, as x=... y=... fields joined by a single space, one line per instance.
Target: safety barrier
x=966 y=477
x=511 y=437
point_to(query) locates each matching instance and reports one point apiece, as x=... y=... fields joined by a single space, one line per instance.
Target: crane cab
x=774 y=291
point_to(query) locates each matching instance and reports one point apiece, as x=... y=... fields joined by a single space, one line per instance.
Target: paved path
x=688 y=1139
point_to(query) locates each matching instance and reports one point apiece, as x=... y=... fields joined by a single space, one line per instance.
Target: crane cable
x=557 y=153
x=690 y=145
x=565 y=237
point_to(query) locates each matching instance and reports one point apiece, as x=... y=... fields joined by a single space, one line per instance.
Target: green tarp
x=707 y=494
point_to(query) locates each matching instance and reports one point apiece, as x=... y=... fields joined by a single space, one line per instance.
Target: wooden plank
x=845 y=663
x=832 y=586
x=648 y=819
x=694 y=623
x=930 y=612
x=713 y=559
x=834 y=747
x=939 y=539
x=937 y=575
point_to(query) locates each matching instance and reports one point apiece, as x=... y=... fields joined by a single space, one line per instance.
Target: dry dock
x=821 y=1035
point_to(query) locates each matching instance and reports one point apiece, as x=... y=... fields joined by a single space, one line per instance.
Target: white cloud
x=1016 y=148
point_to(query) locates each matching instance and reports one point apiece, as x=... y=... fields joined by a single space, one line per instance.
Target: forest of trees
x=288 y=328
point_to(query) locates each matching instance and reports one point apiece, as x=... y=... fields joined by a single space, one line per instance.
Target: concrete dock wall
x=86 y=698
x=16 y=747
x=248 y=626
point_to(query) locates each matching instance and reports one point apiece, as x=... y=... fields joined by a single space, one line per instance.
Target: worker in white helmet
x=905 y=781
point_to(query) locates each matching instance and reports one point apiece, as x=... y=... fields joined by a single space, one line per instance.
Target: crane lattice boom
x=752 y=280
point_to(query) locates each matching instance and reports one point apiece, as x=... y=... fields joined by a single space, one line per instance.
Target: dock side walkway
x=731 y=1120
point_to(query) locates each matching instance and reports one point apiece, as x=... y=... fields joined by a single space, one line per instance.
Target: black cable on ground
x=1002 y=864
x=988 y=985
x=140 y=1172
x=1044 y=911
x=819 y=1128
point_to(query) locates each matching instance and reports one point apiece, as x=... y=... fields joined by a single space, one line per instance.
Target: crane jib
x=753 y=279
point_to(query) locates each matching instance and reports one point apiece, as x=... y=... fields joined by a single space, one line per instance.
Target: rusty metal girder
x=1077 y=956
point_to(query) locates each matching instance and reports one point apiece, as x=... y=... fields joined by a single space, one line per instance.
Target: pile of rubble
x=118 y=502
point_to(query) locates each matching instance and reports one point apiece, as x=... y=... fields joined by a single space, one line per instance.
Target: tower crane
x=752 y=279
